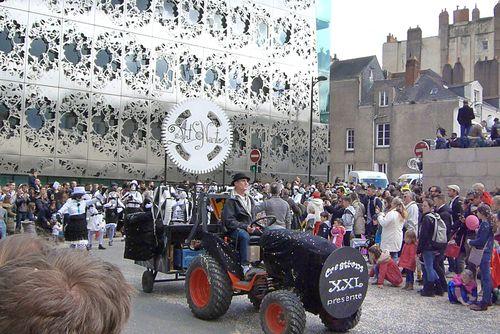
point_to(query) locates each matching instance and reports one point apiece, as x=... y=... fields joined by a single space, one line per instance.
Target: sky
x=360 y=27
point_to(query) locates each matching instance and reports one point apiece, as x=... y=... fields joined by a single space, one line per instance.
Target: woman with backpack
x=426 y=249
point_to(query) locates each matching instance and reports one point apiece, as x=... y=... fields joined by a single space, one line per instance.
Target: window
x=349 y=140
x=383 y=99
x=348 y=168
x=485 y=45
x=383 y=135
x=370 y=77
x=381 y=167
x=477 y=96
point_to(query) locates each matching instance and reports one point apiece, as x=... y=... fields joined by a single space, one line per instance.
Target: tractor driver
x=238 y=214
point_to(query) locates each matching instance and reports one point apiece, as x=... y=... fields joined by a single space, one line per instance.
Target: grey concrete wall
x=463 y=167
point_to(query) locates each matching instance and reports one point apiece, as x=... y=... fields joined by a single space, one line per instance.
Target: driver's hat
x=239 y=176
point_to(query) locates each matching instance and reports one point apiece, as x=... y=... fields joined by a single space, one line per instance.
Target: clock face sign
x=197 y=136
x=343 y=282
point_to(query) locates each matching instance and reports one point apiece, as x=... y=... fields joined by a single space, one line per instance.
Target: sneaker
x=101 y=247
x=89 y=247
x=110 y=243
x=478 y=307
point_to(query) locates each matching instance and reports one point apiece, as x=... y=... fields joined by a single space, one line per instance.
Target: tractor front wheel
x=208 y=288
x=340 y=325
x=282 y=312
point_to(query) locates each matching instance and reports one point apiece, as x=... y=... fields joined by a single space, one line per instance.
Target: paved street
x=387 y=310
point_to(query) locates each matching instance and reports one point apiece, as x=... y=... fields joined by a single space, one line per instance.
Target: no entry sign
x=255 y=156
x=419 y=149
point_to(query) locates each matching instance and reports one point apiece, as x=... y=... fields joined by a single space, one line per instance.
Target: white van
x=378 y=179
x=410 y=179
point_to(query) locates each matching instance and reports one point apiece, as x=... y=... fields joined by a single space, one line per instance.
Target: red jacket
x=387 y=270
x=408 y=257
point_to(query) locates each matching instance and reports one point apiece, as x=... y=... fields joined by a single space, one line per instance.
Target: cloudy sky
x=360 y=27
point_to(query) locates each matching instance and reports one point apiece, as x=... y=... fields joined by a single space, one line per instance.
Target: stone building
x=464 y=51
x=375 y=121
x=85 y=85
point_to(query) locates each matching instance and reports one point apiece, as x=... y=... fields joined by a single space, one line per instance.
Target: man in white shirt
x=411 y=207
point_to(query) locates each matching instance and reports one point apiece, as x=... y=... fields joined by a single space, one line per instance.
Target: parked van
x=410 y=179
x=378 y=179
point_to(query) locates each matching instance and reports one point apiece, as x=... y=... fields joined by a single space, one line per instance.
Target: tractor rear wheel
x=148 y=280
x=340 y=325
x=208 y=288
x=282 y=312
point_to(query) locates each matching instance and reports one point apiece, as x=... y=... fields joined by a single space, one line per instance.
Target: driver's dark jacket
x=234 y=216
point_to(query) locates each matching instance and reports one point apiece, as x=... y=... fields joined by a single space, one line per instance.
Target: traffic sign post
x=419 y=149
x=255 y=157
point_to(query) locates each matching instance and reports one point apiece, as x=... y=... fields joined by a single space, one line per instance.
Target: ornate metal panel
x=43 y=49
x=72 y=122
x=12 y=44
x=76 y=58
x=39 y=121
x=11 y=106
x=260 y=83
x=216 y=20
x=79 y=10
x=70 y=167
x=138 y=16
x=164 y=60
x=189 y=71
x=10 y=164
x=109 y=13
x=107 y=61
x=156 y=151
x=277 y=159
x=44 y=165
x=214 y=77
x=134 y=130
x=128 y=170
x=191 y=13
x=166 y=18
x=103 y=127
x=320 y=149
x=239 y=26
x=237 y=84
x=101 y=169
x=136 y=65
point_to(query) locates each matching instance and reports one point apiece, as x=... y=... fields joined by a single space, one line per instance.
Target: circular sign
x=255 y=155
x=343 y=282
x=419 y=148
x=197 y=136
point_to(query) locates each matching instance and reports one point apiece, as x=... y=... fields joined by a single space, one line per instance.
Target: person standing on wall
x=464 y=118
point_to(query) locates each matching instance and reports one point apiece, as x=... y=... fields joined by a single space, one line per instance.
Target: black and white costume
x=112 y=210
x=75 y=230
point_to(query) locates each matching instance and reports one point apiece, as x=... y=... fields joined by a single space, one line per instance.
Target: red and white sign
x=419 y=149
x=255 y=156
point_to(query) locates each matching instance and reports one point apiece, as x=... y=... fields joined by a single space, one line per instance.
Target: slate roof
x=429 y=87
x=349 y=68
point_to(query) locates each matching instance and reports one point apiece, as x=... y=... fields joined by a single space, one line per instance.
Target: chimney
x=412 y=71
x=461 y=15
x=391 y=38
x=475 y=14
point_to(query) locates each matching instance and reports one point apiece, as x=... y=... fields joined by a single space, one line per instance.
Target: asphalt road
x=388 y=310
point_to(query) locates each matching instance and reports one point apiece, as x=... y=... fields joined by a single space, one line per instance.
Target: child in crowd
x=462 y=289
x=310 y=219
x=337 y=233
x=408 y=259
x=31 y=211
x=325 y=226
x=56 y=230
x=384 y=267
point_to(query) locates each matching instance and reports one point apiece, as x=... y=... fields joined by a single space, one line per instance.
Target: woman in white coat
x=392 y=228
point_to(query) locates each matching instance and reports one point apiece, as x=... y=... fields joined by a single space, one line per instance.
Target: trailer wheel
x=282 y=312
x=340 y=325
x=208 y=288
x=148 y=280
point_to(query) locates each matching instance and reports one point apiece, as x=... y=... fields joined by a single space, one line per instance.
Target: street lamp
x=314 y=81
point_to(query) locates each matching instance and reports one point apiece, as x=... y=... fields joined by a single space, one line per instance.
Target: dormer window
x=383 y=99
x=370 y=78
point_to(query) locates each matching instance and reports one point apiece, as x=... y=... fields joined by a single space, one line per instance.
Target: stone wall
x=463 y=167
